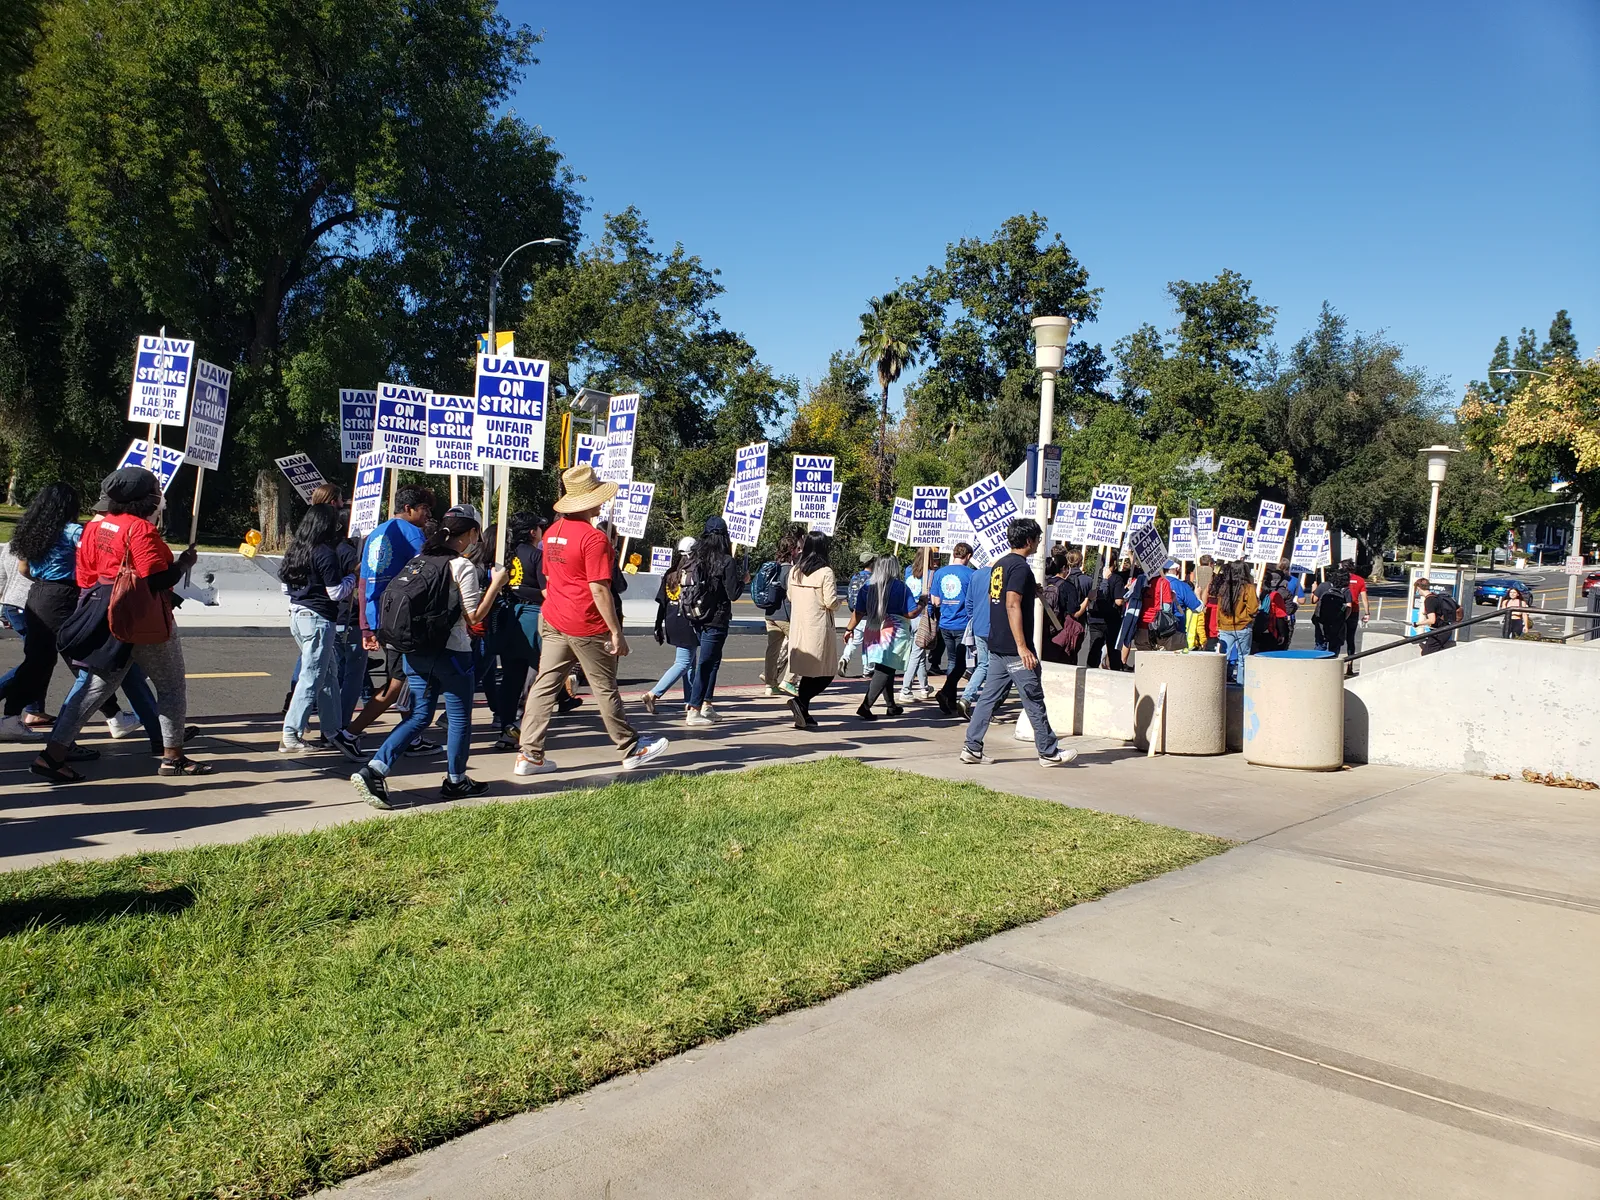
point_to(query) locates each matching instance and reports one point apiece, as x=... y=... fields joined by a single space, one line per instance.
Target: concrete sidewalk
x=1386 y=991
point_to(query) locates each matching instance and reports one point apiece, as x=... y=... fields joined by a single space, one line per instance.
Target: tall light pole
x=494 y=290
x=1050 y=336
x=1577 y=519
x=1438 y=460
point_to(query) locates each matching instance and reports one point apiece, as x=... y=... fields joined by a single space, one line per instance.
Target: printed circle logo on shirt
x=996 y=583
x=379 y=555
x=951 y=588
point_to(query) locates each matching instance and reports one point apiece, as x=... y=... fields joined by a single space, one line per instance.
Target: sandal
x=46 y=768
x=77 y=753
x=184 y=766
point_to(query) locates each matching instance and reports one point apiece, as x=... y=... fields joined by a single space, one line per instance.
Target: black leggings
x=1102 y=637
x=809 y=688
x=882 y=682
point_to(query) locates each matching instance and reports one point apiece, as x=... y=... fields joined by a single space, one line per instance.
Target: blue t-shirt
x=950 y=585
x=388 y=548
x=978 y=602
x=900 y=604
x=60 y=562
x=1183 y=594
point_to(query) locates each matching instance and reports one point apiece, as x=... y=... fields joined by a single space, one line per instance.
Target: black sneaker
x=567 y=703
x=966 y=709
x=348 y=744
x=370 y=786
x=420 y=748
x=463 y=790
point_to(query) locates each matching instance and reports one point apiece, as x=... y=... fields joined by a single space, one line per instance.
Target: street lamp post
x=1438 y=460
x=1577 y=517
x=1050 y=336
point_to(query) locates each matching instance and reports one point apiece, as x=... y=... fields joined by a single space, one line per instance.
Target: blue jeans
x=705 y=672
x=682 y=668
x=352 y=656
x=319 y=675
x=916 y=675
x=447 y=674
x=136 y=688
x=980 y=669
x=1009 y=670
x=1237 y=644
x=18 y=620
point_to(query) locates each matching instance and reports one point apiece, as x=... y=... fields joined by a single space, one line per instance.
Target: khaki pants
x=777 y=660
x=557 y=654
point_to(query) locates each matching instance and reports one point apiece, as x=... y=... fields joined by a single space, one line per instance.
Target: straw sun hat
x=583 y=489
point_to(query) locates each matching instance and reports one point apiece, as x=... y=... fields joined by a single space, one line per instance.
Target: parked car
x=1495 y=589
x=1589 y=580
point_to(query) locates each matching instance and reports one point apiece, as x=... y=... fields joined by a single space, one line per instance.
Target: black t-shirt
x=523 y=574
x=325 y=573
x=1010 y=574
x=349 y=561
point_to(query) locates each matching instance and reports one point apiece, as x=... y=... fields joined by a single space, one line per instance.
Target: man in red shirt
x=1360 y=607
x=580 y=623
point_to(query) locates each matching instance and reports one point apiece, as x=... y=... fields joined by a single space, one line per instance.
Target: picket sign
x=508 y=426
x=208 y=415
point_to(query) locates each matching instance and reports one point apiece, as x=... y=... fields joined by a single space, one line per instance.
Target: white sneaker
x=649 y=699
x=711 y=715
x=924 y=695
x=1060 y=759
x=292 y=744
x=977 y=760
x=532 y=764
x=15 y=729
x=643 y=753
x=123 y=724
x=693 y=716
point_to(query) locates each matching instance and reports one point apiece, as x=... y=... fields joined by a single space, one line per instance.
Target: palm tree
x=890 y=342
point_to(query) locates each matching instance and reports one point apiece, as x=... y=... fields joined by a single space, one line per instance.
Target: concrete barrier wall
x=1487 y=707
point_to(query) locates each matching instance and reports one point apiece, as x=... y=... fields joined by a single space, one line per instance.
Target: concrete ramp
x=1487 y=707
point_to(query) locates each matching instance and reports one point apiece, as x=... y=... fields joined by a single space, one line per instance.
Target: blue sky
x=1431 y=169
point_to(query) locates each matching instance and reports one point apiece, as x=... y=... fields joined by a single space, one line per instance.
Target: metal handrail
x=1503 y=614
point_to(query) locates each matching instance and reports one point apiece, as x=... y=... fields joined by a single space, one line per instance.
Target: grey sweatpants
x=163 y=662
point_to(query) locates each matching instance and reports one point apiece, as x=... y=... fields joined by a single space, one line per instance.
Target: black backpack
x=1332 y=604
x=1449 y=610
x=420 y=606
x=697 y=597
x=764 y=587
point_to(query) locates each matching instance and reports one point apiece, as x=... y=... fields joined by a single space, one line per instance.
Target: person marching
x=1012 y=662
x=886 y=607
x=124 y=534
x=813 y=641
x=578 y=625
x=673 y=629
x=436 y=592
x=318 y=583
x=947 y=592
x=713 y=580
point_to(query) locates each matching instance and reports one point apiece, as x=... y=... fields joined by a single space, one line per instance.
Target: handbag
x=137 y=615
x=927 y=631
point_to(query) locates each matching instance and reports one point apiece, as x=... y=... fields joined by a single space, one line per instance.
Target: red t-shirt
x=1358 y=588
x=576 y=554
x=1156 y=593
x=106 y=538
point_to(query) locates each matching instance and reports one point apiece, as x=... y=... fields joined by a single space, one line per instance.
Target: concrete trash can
x=1294 y=710
x=1197 y=695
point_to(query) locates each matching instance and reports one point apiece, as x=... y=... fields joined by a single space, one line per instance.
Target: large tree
x=264 y=174
x=624 y=316
x=890 y=341
x=976 y=403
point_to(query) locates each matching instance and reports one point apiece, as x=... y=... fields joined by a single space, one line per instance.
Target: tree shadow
x=61 y=911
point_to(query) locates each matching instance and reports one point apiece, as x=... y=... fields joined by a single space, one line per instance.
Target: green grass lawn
x=257 y=1020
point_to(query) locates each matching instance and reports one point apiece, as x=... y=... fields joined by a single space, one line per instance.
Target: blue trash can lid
x=1296 y=654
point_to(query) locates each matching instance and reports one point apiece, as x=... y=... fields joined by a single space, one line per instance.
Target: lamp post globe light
x=1050 y=335
x=1438 y=460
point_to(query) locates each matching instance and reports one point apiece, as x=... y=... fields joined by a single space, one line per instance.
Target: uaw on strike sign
x=508 y=427
x=160 y=391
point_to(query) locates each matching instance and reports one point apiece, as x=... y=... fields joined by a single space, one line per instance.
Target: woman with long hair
x=318 y=583
x=813 y=641
x=125 y=532
x=915 y=681
x=673 y=629
x=446 y=672
x=45 y=544
x=1237 y=603
x=887 y=607
x=716 y=575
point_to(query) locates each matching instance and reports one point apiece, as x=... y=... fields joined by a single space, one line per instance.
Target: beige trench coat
x=813 y=641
